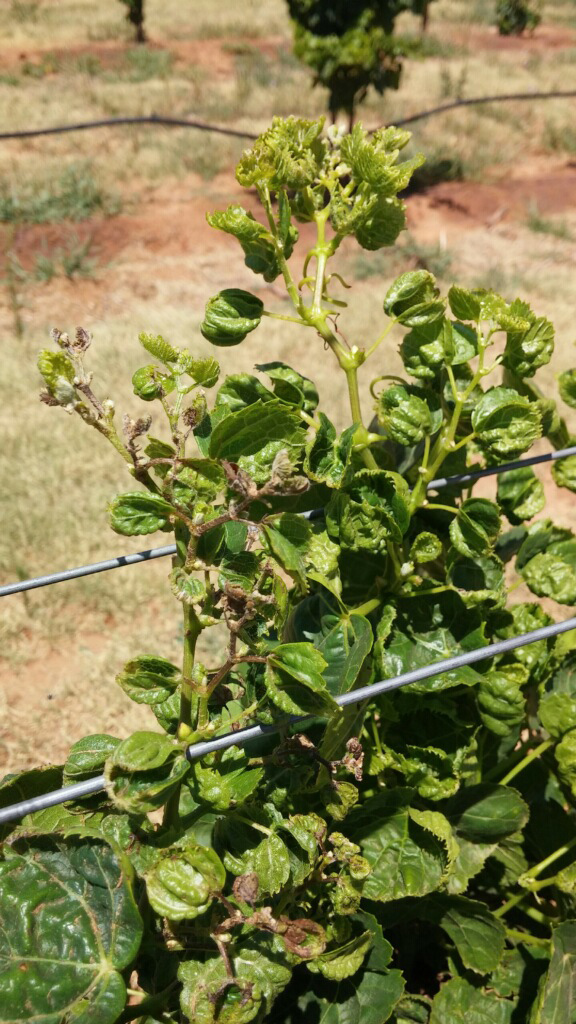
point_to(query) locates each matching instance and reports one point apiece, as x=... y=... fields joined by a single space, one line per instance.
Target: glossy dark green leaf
x=288 y=538
x=553 y=573
x=426 y=348
x=501 y=703
x=520 y=494
x=458 y=1002
x=475 y=528
x=556 y=999
x=257 y=428
x=487 y=813
x=138 y=513
x=405 y=858
x=479 y=578
x=184 y=880
x=68 y=926
x=369 y=997
x=506 y=424
x=478 y=936
x=149 y=679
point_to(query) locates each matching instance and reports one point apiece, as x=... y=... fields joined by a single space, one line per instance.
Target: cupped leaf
x=150 y=382
x=288 y=155
x=373 y=509
x=384 y=221
x=501 y=703
x=149 y=679
x=527 y=350
x=143 y=771
x=138 y=513
x=290 y=386
x=209 y=996
x=464 y=304
x=404 y=414
x=260 y=253
x=183 y=882
x=564 y=472
x=328 y=456
x=567 y=387
x=426 y=348
x=412 y=299
x=520 y=494
x=427 y=547
x=88 y=756
x=506 y=424
x=230 y=316
x=552 y=574
x=294 y=680
x=68 y=926
x=475 y=529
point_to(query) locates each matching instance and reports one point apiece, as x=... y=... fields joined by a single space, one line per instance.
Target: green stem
x=543 y=864
x=366 y=608
x=192 y=630
x=282 y=316
x=442 y=508
x=517 y=936
x=354 y=397
x=379 y=341
x=525 y=762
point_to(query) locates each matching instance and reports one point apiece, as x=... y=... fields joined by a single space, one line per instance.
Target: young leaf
x=87 y=756
x=328 y=457
x=413 y=299
x=260 y=252
x=527 y=350
x=150 y=382
x=506 y=424
x=86 y=931
x=290 y=386
x=159 y=348
x=464 y=304
x=426 y=548
x=137 y=513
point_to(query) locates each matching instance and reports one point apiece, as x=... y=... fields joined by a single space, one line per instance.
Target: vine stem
x=533 y=873
x=525 y=762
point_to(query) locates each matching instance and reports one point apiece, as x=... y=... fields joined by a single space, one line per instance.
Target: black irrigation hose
x=172 y=122
x=242 y=736
x=170 y=549
x=177 y=122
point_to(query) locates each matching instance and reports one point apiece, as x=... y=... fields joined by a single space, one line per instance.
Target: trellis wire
x=170 y=549
x=243 y=736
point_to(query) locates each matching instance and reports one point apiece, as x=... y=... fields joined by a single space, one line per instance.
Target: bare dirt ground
x=163 y=247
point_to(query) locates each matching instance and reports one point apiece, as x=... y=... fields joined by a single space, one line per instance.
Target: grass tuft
x=73 y=195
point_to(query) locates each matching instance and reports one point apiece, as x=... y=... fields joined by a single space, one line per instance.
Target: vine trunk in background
x=406 y=860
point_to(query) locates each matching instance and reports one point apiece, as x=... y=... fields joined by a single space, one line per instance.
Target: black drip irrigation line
x=170 y=549
x=243 y=736
x=110 y=122
x=177 y=122
x=475 y=101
